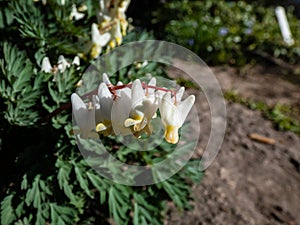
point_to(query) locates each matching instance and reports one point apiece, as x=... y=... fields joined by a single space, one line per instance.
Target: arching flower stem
x=112 y=88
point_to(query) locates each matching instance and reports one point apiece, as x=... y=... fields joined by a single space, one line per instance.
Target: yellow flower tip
x=95 y=51
x=171 y=134
x=119 y=40
x=100 y=127
x=79 y=83
x=132 y=122
x=112 y=44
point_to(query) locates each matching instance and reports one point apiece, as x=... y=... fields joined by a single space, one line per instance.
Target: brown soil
x=249 y=182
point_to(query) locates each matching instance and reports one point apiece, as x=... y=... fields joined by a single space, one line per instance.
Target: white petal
x=106 y=101
x=97 y=38
x=103 y=91
x=46 y=65
x=179 y=94
x=96 y=103
x=75 y=14
x=185 y=107
x=152 y=82
x=95 y=33
x=170 y=115
x=62 y=64
x=137 y=94
x=124 y=5
x=120 y=113
x=105 y=79
x=84 y=117
x=76 y=61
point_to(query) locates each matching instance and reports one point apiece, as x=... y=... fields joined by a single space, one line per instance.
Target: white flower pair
x=128 y=109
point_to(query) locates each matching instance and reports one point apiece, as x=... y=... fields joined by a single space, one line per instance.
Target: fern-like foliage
x=44 y=178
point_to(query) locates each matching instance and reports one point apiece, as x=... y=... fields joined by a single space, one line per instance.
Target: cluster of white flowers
x=61 y=66
x=128 y=109
x=112 y=25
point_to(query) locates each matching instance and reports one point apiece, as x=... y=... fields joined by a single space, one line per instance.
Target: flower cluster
x=61 y=66
x=128 y=109
x=112 y=25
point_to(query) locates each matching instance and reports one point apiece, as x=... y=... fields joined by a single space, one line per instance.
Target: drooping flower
x=173 y=114
x=103 y=115
x=46 y=65
x=61 y=66
x=116 y=35
x=84 y=116
x=75 y=14
x=99 y=41
x=143 y=107
x=122 y=16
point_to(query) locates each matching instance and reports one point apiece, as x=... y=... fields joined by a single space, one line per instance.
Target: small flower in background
x=223 y=31
x=99 y=41
x=248 y=31
x=249 y=23
x=111 y=20
x=75 y=14
x=122 y=16
x=191 y=42
x=116 y=35
x=129 y=108
x=61 y=66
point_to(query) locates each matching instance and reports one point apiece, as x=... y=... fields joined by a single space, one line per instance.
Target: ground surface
x=249 y=182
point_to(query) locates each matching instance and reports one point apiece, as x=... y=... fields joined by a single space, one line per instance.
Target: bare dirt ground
x=249 y=182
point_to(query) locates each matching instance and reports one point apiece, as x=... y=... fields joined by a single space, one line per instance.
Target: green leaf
x=33 y=194
x=40 y=216
x=100 y=184
x=83 y=182
x=7 y=211
x=62 y=214
x=118 y=202
x=24 y=183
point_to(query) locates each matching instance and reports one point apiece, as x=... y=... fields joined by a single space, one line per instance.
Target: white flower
x=98 y=40
x=62 y=64
x=120 y=111
x=103 y=115
x=46 y=65
x=75 y=14
x=116 y=35
x=173 y=114
x=76 y=61
x=143 y=107
x=84 y=116
x=121 y=15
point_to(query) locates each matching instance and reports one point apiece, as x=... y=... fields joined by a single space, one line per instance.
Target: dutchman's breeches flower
x=99 y=41
x=173 y=114
x=129 y=108
x=84 y=115
x=143 y=107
